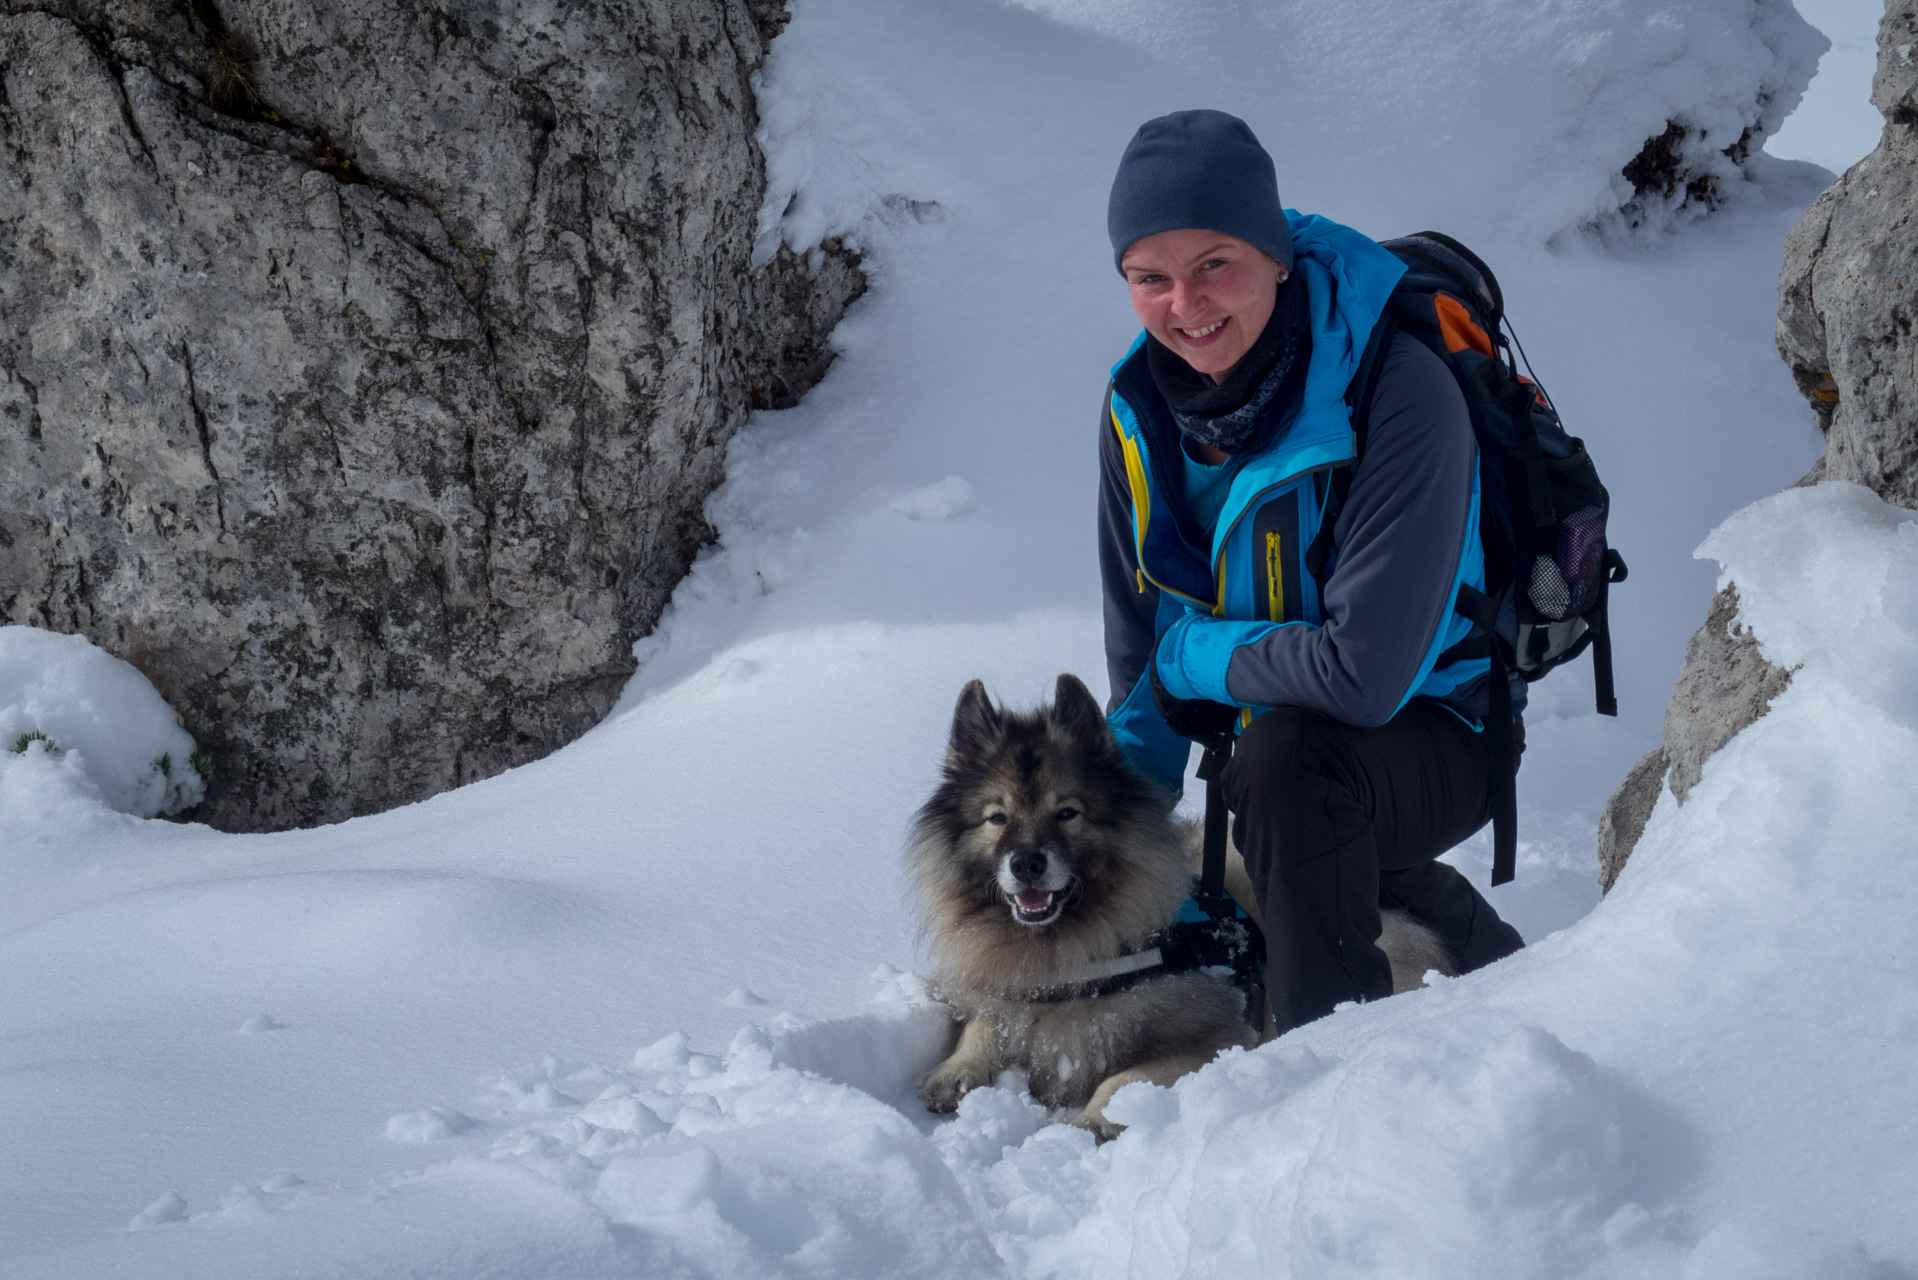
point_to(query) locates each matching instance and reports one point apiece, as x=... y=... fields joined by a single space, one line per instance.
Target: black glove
x=1207 y=723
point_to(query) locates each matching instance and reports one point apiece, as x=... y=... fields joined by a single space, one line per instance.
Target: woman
x=1360 y=756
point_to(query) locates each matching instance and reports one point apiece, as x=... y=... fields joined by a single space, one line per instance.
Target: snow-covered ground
x=405 y=1045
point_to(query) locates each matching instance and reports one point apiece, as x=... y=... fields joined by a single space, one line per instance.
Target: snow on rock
x=71 y=711
x=1474 y=115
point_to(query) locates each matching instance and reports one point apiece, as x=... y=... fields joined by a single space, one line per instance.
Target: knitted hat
x=1201 y=170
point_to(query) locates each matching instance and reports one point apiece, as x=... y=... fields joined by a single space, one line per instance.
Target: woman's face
x=1203 y=294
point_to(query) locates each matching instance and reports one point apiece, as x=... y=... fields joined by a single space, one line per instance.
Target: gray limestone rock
x=364 y=366
x=1623 y=821
x=1847 y=299
x=1725 y=684
x=1848 y=293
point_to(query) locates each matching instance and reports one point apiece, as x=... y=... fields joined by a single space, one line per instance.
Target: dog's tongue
x=1034 y=900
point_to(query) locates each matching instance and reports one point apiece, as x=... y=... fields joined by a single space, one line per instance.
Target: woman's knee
x=1278 y=752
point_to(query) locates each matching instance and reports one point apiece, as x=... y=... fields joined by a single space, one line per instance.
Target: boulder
x=1725 y=684
x=1847 y=297
x=364 y=367
x=1848 y=292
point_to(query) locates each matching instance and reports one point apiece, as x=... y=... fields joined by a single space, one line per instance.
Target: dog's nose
x=1028 y=865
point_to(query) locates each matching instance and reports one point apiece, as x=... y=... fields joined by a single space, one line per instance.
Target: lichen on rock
x=364 y=367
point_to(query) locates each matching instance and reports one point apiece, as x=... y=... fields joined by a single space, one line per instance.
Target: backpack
x=1542 y=509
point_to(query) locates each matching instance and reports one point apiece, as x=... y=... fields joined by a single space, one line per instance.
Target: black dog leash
x=1227 y=930
x=1211 y=896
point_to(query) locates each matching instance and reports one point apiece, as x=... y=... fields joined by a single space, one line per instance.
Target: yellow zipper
x=1142 y=511
x=1275 y=576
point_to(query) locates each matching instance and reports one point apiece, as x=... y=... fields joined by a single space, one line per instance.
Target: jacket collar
x=1349 y=279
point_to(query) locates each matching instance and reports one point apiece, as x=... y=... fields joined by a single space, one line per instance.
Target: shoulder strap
x=1365 y=382
x=1358 y=397
x=1501 y=748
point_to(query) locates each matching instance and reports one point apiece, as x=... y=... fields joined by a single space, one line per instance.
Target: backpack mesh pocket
x=1566 y=582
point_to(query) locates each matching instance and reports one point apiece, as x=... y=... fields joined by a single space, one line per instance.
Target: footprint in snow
x=431 y=1125
x=950 y=497
x=170 y=1207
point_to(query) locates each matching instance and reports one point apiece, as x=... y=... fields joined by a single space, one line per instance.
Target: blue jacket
x=1241 y=621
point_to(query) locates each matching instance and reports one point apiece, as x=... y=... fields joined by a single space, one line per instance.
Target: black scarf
x=1237 y=415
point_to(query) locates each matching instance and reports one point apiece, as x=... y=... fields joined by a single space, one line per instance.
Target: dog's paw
x=1097 y=1125
x=948 y=1083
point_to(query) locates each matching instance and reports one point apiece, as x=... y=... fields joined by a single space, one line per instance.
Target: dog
x=1043 y=856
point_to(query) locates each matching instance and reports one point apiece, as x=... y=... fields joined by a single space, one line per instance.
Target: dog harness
x=1229 y=948
x=1211 y=933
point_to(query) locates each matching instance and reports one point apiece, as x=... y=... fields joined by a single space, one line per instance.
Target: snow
x=79 y=723
x=406 y=1045
x=1655 y=1092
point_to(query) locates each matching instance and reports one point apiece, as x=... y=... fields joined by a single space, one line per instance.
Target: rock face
x=1724 y=686
x=1848 y=293
x=1847 y=299
x=364 y=365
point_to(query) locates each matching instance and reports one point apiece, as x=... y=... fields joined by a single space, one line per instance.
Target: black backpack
x=1542 y=509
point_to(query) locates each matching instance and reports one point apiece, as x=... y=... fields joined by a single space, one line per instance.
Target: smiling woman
x=1249 y=596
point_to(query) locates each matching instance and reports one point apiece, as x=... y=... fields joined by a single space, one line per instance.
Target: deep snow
x=404 y=1045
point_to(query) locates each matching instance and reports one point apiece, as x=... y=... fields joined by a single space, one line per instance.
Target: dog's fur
x=1118 y=868
x=1054 y=783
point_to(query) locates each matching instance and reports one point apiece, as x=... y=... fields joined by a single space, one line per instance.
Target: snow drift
x=1639 y=1095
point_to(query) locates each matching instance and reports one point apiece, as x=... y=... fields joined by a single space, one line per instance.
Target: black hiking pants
x=1336 y=822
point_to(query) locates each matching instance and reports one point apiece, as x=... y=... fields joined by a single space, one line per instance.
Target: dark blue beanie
x=1202 y=170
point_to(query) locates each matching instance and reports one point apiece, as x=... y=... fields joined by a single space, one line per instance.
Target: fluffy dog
x=1042 y=855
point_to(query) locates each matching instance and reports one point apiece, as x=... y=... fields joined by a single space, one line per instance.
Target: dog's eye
x=1067 y=814
x=996 y=819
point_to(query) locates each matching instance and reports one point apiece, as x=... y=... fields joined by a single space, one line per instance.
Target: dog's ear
x=1077 y=711
x=976 y=723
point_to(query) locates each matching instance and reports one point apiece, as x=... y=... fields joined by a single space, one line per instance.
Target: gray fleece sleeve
x=1399 y=541
x=1129 y=610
